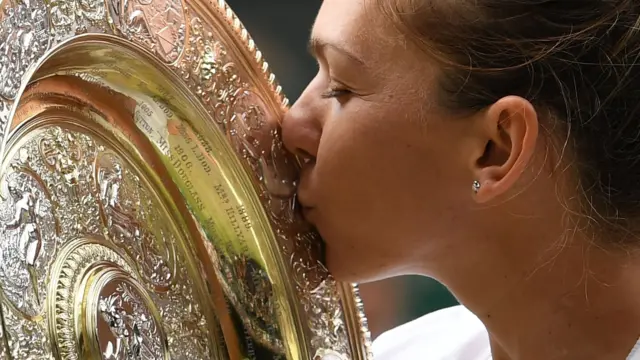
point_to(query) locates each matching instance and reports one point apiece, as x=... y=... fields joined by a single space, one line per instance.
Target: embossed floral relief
x=62 y=186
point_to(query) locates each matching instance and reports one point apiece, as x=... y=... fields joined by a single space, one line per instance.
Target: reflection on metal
x=147 y=204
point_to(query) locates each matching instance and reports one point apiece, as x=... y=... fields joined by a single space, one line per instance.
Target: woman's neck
x=584 y=303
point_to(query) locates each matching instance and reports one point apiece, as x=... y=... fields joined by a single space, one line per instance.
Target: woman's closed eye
x=336 y=93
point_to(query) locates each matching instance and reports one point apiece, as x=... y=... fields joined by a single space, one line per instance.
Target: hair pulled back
x=576 y=60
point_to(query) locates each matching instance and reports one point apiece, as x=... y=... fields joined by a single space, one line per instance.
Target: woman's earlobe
x=476 y=186
x=489 y=185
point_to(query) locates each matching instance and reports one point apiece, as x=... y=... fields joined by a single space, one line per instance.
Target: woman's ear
x=510 y=128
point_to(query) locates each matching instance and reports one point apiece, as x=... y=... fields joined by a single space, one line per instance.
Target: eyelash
x=335 y=93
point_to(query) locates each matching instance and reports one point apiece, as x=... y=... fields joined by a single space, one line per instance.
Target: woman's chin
x=348 y=269
x=337 y=268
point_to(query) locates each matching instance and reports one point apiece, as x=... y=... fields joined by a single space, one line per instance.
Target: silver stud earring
x=476 y=186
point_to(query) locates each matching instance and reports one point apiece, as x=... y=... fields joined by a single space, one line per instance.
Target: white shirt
x=449 y=334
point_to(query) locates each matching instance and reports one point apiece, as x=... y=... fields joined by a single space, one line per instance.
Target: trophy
x=147 y=204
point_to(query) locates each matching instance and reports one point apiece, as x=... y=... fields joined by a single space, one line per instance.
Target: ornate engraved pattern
x=4 y=118
x=4 y=340
x=133 y=327
x=64 y=161
x=251 y=294
x=73 y=266
x=77 y=16
x=158 y=25
x=242 y=115
x=185 y=326
x=123 y=201
x=28 y=233
x=79 y=173
x=24 y=38
x=318 y=291
x=26 y=339
x=28 y=30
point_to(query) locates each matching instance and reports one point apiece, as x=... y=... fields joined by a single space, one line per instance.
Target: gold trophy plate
x=147 y=205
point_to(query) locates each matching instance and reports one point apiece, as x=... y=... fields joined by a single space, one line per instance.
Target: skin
x=388 y=184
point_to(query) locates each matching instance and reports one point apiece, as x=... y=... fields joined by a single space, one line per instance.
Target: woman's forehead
x=355 y=27
x=339 y=21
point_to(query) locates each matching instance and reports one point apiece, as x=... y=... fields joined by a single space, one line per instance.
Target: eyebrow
x=316 y=45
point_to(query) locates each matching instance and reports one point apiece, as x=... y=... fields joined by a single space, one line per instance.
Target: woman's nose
x=301 y=130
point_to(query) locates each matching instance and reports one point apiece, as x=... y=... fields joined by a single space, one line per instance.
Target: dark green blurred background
x=281 y=29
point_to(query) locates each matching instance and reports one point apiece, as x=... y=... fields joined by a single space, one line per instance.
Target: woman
x=493 y=145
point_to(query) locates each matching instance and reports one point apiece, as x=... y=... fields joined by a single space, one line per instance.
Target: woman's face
x=389 y=179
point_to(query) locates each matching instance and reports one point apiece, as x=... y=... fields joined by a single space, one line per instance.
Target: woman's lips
x=303 y=194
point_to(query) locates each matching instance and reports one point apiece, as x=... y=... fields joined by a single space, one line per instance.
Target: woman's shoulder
x=447 y=334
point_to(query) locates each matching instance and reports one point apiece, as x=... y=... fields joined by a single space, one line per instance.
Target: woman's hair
x=576 y=61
